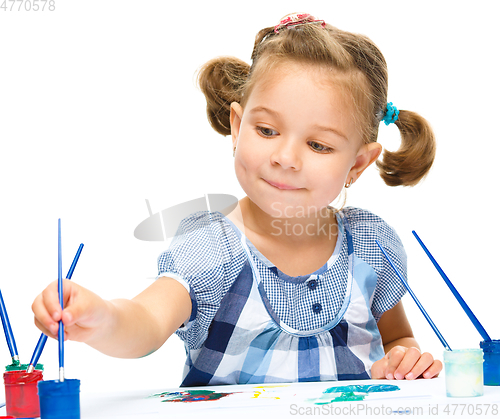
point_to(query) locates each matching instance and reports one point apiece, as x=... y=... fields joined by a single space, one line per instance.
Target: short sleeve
x=204 y=257
x=368 y=227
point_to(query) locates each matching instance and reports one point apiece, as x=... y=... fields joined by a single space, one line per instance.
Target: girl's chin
x=291 y=210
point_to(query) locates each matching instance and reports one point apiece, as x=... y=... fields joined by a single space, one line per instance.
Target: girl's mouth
x=282 y=185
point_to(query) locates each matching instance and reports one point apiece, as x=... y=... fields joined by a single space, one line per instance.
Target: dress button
x=312 y=284
x=317 y=307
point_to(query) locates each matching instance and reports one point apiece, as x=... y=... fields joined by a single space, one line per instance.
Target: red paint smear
x=194 y=396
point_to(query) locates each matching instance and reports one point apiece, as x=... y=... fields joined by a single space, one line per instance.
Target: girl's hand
x=406 y=363
x=84 y=312
x=121 y=328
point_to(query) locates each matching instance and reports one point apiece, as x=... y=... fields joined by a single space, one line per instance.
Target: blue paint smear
x=375 y=388
x=351 y=393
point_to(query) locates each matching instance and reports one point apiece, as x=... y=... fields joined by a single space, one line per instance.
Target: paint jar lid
x=56 y=388
x=490 y=346
x=22 y=367
x=463 y=356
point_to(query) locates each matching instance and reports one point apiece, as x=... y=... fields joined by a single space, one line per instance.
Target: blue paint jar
x=491 y=364
x=59 y=400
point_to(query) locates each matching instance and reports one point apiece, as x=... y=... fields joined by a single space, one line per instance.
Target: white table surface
x=422 y=398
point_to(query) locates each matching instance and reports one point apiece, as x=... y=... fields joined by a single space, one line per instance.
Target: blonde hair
x=224 y=80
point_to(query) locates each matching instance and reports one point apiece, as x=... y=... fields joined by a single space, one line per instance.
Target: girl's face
x=296 y=142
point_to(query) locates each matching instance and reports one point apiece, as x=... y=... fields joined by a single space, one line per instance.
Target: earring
x=348 y=185
x=234 y=151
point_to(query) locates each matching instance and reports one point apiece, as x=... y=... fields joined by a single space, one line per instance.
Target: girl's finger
x=43 y=319
x=411 y=357
x=378 y=368
x=433 y=370
x=425 y=361
x=50 y=297
x=394 y=358
x=45 y=330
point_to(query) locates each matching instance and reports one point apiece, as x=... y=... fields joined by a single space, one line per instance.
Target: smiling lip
x=281 y=185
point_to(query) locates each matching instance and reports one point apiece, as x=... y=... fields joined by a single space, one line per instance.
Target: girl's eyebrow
x=264 y=109
x=332 y=130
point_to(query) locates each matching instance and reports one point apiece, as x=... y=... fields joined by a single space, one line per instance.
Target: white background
x=99 y=111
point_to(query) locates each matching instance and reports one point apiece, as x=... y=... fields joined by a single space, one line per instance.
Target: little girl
x=284 y=288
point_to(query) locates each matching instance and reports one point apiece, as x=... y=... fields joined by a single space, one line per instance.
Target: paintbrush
x=61 y=302
x=457 y=295
x=9 y=335
x=427 y=317
x=43 y=338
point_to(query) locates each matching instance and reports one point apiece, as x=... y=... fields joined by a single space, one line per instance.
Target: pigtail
x=414 y=158
x=221 y=80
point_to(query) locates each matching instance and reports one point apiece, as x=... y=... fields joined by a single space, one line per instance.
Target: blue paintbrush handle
x=38 y=351
x=457 y=295
x=43 y=338
x=75 y=261
x=9 y=336
x=427 y=317
x=61 y=302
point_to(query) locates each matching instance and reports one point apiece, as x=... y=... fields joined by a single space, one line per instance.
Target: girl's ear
x=367 y=154
x=235 y=119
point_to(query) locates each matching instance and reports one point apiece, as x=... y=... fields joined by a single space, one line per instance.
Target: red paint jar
x=21 y=395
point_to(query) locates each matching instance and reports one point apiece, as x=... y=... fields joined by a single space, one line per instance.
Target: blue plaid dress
x=251 y=323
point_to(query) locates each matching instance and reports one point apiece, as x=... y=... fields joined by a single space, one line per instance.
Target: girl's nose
x=287 y=155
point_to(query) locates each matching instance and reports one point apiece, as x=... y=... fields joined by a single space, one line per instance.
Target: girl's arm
x=402 y=359
x=120 y=328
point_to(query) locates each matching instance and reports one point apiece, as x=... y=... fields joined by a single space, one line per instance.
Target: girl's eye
x=266 y=132
x=320 y=148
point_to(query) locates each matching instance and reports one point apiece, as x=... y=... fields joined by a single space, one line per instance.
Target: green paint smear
x=344 y=397
x=16 y=366
x=350 y=393
x=190 y=396
x=375 y=388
